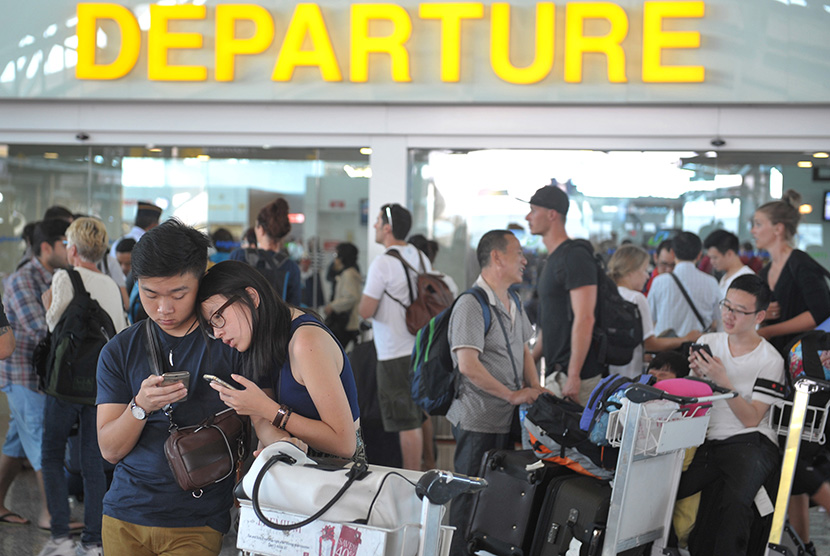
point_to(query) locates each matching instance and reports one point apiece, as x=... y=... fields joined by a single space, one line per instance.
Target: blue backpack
x=606 y=398
x=431 y=367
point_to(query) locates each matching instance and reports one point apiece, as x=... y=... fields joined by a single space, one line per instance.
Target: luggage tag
x=763 y=502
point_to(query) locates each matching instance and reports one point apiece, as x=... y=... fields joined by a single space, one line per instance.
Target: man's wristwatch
x=137 y=411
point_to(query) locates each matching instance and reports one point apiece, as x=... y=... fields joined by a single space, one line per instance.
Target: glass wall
x=642 y=197
x=210 y=188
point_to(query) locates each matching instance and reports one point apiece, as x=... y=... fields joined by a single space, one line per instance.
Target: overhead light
x=821 y=155
x=805 y=164
x=154 y=150
x=805 y=209
x=51 y=156
x=366 y=150
x=203 y=157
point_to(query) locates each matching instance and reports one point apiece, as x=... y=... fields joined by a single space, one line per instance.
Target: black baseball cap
x=551 y=197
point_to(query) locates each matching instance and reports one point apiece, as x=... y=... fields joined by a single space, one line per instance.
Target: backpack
x=433 y=296
x=606 y=398
x=801 y=359
x=618 y=327
x=431 y=367
x=67 y=359
x=269 y=264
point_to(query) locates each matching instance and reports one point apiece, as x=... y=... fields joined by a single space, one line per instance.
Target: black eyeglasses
x=217 y=320
x=724 y=306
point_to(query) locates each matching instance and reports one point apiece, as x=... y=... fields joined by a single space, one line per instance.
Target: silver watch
x=137 y=411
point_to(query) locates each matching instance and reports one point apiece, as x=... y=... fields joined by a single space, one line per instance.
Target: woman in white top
x=628 y=268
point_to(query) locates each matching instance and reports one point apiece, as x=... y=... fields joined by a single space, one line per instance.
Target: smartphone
x=219 y=381
x=173 y=377
x=702 y=347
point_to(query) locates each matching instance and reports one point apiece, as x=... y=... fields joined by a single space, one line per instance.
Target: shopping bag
x=283 y=477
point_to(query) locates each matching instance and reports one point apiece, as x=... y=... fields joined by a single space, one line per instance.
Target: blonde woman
x=628 y=268
x=801 y=299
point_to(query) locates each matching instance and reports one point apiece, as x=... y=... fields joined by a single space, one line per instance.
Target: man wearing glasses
x=385 y=298
x=145 y=511
x=664 y=261
x=18 y=380
x=740 y=452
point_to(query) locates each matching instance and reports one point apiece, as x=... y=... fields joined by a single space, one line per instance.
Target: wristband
x=281 y=413
x=285 y=421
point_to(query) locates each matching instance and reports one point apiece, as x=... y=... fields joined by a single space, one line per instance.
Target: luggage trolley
x=326 y=538
x=652 y=447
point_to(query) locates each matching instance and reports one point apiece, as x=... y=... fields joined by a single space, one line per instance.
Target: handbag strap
x=406 y=267
x=355 y=473
x=688 y=300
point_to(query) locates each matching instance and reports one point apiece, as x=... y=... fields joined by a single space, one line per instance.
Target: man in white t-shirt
x=386 y=295
x=740 y=452
x=723 y=248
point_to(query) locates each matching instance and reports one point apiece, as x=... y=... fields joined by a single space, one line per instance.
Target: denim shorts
x=26 y=424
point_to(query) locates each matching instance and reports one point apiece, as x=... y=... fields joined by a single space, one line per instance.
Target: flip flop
x=75 y=528
x=4 y=519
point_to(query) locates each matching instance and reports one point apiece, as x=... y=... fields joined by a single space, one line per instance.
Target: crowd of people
x=247 y=313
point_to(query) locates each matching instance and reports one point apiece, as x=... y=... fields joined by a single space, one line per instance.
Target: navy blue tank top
x=296 y=396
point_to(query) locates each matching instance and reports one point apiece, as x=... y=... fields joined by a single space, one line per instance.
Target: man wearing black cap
x=146 y=218
x=567 y=297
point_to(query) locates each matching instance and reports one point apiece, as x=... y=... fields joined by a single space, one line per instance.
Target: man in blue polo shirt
x=145 y=511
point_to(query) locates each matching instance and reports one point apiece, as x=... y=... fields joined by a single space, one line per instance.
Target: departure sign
x=595 y=29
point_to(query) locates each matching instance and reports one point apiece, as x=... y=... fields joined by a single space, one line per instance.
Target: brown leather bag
x=207 y=453
x=204 y=454
x=433 y=295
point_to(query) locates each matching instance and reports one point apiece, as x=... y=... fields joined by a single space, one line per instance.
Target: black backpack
x=66 y=360
x=618 y=328
x=270 y=265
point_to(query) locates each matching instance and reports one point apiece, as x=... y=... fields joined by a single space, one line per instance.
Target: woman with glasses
x=313 y=396
x=801 y=298
x=628 y=267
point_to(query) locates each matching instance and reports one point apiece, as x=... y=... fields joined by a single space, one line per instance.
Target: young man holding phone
x=145 y=511
x=740 y=452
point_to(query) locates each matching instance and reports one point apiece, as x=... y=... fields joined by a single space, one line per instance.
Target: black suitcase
x=504 y=514
x=574 y=506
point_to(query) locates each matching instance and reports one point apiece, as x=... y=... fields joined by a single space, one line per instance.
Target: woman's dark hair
x=250 y=237
x=753 y=285
x=270 y=321
x=274 y=219
x=170 y=249
x=347 y=253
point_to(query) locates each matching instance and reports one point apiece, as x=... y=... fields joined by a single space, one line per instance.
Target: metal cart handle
x=639 y=393
x=811 y=385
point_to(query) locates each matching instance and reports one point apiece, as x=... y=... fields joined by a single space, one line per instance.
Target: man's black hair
x=494 y=239
x=126 y=245
x=686 y=246
x=753 y=285
x=723 y=241
x=57 y=211
x=49 y=231
x=674 y=360
x=665 y=245
x=170 y=249
x=401 y=219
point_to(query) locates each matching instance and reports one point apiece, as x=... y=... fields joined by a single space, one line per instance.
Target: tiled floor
x=28 y=540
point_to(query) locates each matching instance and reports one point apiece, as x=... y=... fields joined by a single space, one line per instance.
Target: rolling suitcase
x=575 y=506
x=504 y=514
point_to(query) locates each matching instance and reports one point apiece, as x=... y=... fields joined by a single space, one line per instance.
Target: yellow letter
x=576 y=44
x=500 y=44
x=451 y=15
x=655 y=40
x=88 y=16
x=160 y=41
x=228 y=46
x=392 y=44
x=307 y=21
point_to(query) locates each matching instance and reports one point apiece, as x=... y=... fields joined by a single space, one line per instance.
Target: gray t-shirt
x=473 y=409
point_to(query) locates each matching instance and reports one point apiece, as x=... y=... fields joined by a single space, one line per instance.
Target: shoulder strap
x=394 y=254
x=481 y=296
x=77 y=281
x=509 y=352
x=688 y=299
